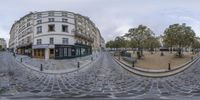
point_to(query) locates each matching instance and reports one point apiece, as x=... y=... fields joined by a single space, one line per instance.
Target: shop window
x=42 y=52
x=61 y=52
x=73 y=52
x=65 y=52
x=35 y=52
x=51 y=51
x=56 y=52
x=78 y=50
x=83 y=51
x=69 y=52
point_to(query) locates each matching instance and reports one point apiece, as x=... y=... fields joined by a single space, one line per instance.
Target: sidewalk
x=55 y=66
x=155 y=73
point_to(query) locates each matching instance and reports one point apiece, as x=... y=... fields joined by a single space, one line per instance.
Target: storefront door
x=39 y=53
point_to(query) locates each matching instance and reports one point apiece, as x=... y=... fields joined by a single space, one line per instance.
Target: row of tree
x=141 y=37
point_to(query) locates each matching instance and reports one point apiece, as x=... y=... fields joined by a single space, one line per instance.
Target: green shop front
x=72 y=51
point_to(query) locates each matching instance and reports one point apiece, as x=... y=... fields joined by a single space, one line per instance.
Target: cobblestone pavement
x=103 y=78
x=51 y=64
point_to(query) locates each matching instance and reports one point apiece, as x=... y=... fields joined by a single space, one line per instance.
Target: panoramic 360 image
x=100 y=50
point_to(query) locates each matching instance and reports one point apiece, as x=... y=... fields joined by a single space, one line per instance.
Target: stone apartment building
x=55 y=35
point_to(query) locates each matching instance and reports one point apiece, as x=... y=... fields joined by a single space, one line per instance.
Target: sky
x=112 y=17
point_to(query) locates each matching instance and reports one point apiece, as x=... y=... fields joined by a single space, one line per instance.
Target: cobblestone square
x=103 y=78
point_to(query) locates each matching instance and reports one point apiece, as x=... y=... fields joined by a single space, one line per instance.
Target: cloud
x=112 y=17
x=3 y=34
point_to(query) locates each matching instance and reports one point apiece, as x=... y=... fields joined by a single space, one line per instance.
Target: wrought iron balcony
x=84 y=36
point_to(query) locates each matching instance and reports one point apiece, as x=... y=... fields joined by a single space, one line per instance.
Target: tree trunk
x=171 y=49
x=138 y=55
x=179 y=52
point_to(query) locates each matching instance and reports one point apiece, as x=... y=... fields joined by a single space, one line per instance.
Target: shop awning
x=43 y=46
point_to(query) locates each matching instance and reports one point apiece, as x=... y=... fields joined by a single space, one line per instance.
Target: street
x=103 y=78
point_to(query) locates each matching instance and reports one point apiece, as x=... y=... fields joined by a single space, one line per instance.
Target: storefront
x=24 y=50
x=39 y=53
x=43 y=51
x=72 y=51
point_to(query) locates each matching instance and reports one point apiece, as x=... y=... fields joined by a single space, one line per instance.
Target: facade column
x=46 y=53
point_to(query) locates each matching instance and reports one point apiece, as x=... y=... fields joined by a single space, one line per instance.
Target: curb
x=156 y=74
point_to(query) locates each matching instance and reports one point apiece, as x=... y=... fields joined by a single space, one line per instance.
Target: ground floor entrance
x=24 y=50
x=72 y=51
x=39 y=53
x=61 y=51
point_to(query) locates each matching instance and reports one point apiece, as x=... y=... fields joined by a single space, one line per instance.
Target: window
x=39 y=15
x=39 y=41
x=28 y=19
x=42 y=52
x=51 y=40
x=29 y=30
x=65 y=40
x=22 y=41
x=51 y=28
x=78 y=51
x=61 y=52
x=39 y=21
x=28 y=39
x=51 y=14
x=28 y=24
x=64 y=20
x=35 y=52
x=51 y=51
x=83 y=51
x=51 y=19
x=69 y=52
x=64 y=28
x=65 y=52
x=39 y=29
x=64 y=14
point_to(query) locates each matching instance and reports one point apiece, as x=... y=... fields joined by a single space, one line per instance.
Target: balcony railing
x=84 y=36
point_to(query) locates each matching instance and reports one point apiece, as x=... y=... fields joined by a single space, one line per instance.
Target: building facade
x=55 y=34
x=3 y=45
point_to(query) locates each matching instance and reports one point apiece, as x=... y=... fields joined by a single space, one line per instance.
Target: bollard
x=78 y=64
x=133 y=65
x=169 y=66
x=21 y=59
x=41 y=67
x=91 y=58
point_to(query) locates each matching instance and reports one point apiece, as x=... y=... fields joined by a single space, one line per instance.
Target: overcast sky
x=112 y=17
